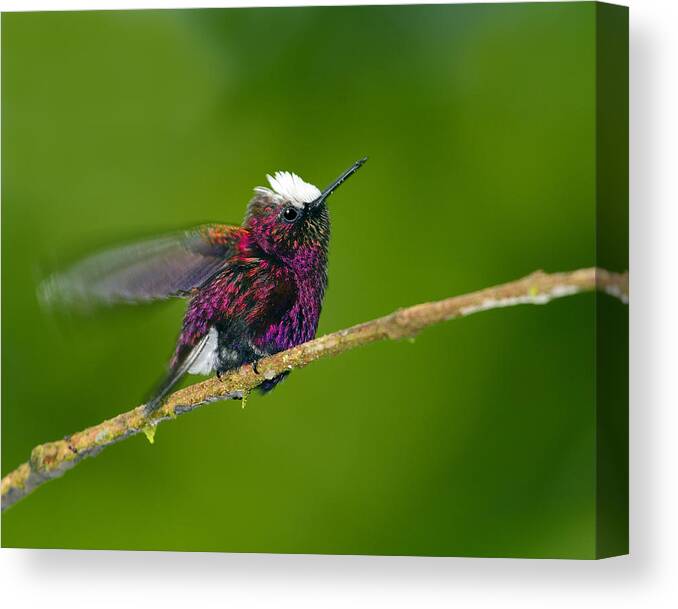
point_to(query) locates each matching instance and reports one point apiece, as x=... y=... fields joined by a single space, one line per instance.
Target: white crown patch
x=291 y=187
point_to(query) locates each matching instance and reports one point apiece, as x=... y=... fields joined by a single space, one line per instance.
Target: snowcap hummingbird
x=253 y=290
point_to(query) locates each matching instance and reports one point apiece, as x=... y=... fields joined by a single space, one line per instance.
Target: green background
x=478 y=438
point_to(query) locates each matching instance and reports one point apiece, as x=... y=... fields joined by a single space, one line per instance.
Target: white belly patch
x=205 y=354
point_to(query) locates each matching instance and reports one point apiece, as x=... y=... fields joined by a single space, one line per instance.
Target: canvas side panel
x=612 y=238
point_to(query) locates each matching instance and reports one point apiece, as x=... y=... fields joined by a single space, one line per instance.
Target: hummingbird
x=253 y=290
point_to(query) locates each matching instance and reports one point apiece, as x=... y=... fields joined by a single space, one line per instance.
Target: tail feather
x=181 y=365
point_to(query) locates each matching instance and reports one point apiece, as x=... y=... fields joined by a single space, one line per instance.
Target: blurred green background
x=479 y=121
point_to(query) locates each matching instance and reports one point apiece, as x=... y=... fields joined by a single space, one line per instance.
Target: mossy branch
x=51 y=460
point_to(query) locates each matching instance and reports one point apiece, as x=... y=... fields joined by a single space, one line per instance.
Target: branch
x=51 y=460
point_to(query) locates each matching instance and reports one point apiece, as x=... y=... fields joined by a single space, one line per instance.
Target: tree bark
x=51 y=460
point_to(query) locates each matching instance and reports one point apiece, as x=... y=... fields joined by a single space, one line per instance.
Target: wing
x=164 y=267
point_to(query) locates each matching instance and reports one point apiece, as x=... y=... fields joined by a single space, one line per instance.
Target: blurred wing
x=159 y=268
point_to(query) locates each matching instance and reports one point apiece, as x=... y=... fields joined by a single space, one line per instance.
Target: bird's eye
x=290 y=214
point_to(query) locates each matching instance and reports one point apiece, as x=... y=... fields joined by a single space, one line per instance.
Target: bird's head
x=290 y=218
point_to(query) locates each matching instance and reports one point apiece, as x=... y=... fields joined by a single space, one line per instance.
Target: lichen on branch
x=51 y=460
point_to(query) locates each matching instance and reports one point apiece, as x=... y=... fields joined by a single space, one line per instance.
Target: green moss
x=103 y=436
x=149 y=432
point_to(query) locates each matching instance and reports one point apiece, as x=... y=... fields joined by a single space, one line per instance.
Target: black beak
x=338 y=182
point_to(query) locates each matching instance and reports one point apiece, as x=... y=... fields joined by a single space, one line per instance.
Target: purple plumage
x=268 y=296
x=259 y=304
x=254 y=290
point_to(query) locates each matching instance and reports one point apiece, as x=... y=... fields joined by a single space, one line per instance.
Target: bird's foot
x=255 y=366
